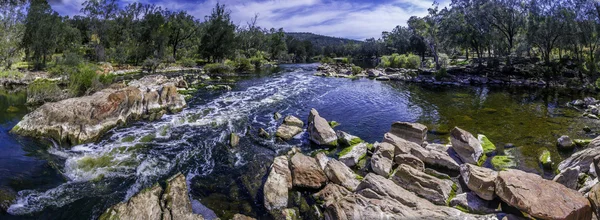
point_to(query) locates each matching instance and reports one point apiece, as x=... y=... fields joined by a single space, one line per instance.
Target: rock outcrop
x=156 y=203
x=277 y=185
x=482 y=181
x=306 y=172
x=594 y=197
x=432 y=156
x=85 y=119
x=541 y=198
x=383 y=159
x=467 y=147
x=583 y=158
x=342 y=175
x=319 y=130
x=345 y=139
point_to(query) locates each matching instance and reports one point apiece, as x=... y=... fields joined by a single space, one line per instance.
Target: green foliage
x=151 y=65
x=356 y=70
x=408 y=61
x=82 y=78
x=598 y=83
x=43 y=88
x=218 y=38
x=12 y=74
x=187 y=62
x=345 y=60
x=441 y=73
x=326 y=59
x=219 y=68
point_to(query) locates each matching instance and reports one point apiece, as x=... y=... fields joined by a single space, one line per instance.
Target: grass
x=11 y=74
x=452 y=193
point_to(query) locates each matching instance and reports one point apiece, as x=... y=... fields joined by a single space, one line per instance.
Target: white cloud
x=357 y=20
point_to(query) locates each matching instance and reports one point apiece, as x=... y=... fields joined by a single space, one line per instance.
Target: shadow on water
x=229 y=180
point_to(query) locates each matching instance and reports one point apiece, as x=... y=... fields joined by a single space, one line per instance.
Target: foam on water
x=148 y=151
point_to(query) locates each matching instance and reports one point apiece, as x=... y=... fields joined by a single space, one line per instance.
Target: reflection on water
x=91 y=177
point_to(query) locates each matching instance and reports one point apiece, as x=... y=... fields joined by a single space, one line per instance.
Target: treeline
x=139 y=34
x=555 y=32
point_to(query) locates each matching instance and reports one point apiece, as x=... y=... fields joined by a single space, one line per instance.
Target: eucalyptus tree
x=182 y=27
x=277 y=44
x=41 y=34
x=12 y=25
x=428 y=28
x=100 y=12
x=546 y=24
x=507 y=17
x=218 y=39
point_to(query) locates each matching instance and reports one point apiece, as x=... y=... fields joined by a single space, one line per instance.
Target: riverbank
x=517 y=75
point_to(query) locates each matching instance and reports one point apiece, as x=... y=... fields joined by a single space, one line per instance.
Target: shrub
x=598 y=83
x=443 y=60
x=441 y=73
x=14 y=74
x=244 y=65
x=150 y=65
x=218 y=68
x=327 y=60
x=409 y=61
x=41 y=90
x=71 y=59
x=356 y=70
x=81 y=79
x=169 y=60
x=412 y=61
x=188 y=62
x=345 y=60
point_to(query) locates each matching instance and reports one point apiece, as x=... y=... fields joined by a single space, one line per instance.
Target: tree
x=507 y=17
x=277 y=43
x=427 y=28
x=41 y=35
x=218 y=38
x=100 y=12
x=547 y=23
x=11 y=23
x=182 y=27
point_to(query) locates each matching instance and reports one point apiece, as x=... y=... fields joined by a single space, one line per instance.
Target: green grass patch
x=452 y=193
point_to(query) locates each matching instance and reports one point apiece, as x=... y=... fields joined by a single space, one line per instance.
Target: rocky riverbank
x=85 y=119
x=406 y=177
x=456 y=75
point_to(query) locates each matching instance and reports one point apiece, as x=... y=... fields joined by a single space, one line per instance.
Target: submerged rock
x=277 y=185
x=472 y=203
x=287 y=132
x=85 y=119
x=234 y=139
x=306 y=172
x=565 y=143
x=467 y=147
x=541 y=198
x=319 y=130
x=154 y=203
x=545 y=159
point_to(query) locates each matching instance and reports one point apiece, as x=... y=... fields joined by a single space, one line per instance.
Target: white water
x=185 y=138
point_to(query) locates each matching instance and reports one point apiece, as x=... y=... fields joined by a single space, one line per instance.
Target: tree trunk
x=467 y=53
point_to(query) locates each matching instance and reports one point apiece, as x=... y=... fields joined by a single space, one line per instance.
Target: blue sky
x=355 y=19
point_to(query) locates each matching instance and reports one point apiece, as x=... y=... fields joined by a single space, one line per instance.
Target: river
x=82 y=181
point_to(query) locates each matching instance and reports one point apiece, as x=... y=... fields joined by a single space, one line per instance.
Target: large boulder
x=413 y=132
x=565 y=143
x=541 y=198
x=594 y=197
x=155 y=203
x=345 y=139
x=293 y=121
x=342 y=175
x=409 y=160
x=569 y=177
x=482 y=181
x=306 y=172
x=433 y=156
x=429 y=187
x=583 y=158
x=322 y=159
x=467 y=147
x=287 y=132
x=319 y=130
x=382 y=159
x=277 y=185
x=379 y=198
x=352 y=154
x=85 y=119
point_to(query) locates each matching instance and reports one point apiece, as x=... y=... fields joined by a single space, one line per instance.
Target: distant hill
x=321 y=40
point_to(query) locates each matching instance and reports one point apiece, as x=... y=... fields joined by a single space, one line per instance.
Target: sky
x=353 y=19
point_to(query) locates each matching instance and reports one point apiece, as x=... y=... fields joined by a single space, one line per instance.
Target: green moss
x=333 y=124
x=486 y=144
x=359 y=177
x=148 y=138
x=128 y=139
x=462 y=208
x=164 y=129
x=502 y=162
x=12 y=109
x=370 y=147
x=355 y=140
x=545 y=159
x=346 y=150
x=452 y=193
x=582 y=142
x=88 y=163
x=333 y=143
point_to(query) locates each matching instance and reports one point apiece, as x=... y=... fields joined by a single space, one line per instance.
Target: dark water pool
x=81 y=182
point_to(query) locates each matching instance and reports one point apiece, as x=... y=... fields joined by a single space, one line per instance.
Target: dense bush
x=598 y=83
x=188 y=62
x=345 y=60
x=356 y=70
x=244 y=65
x=327 y=60
x=443 y=60
x=441 y=73
x=218 y=68
x=81 y=80
x=150 y=65
x=41 y=90
x=10 y=74
x=408 y=61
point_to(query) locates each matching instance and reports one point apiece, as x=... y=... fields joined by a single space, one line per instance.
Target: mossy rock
x=148 y=138
x=333 y=124
x=545 y=159
x=88 y=163
x=128 y=139
x=502 y=162
x=582 y=142
x=488 y=147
